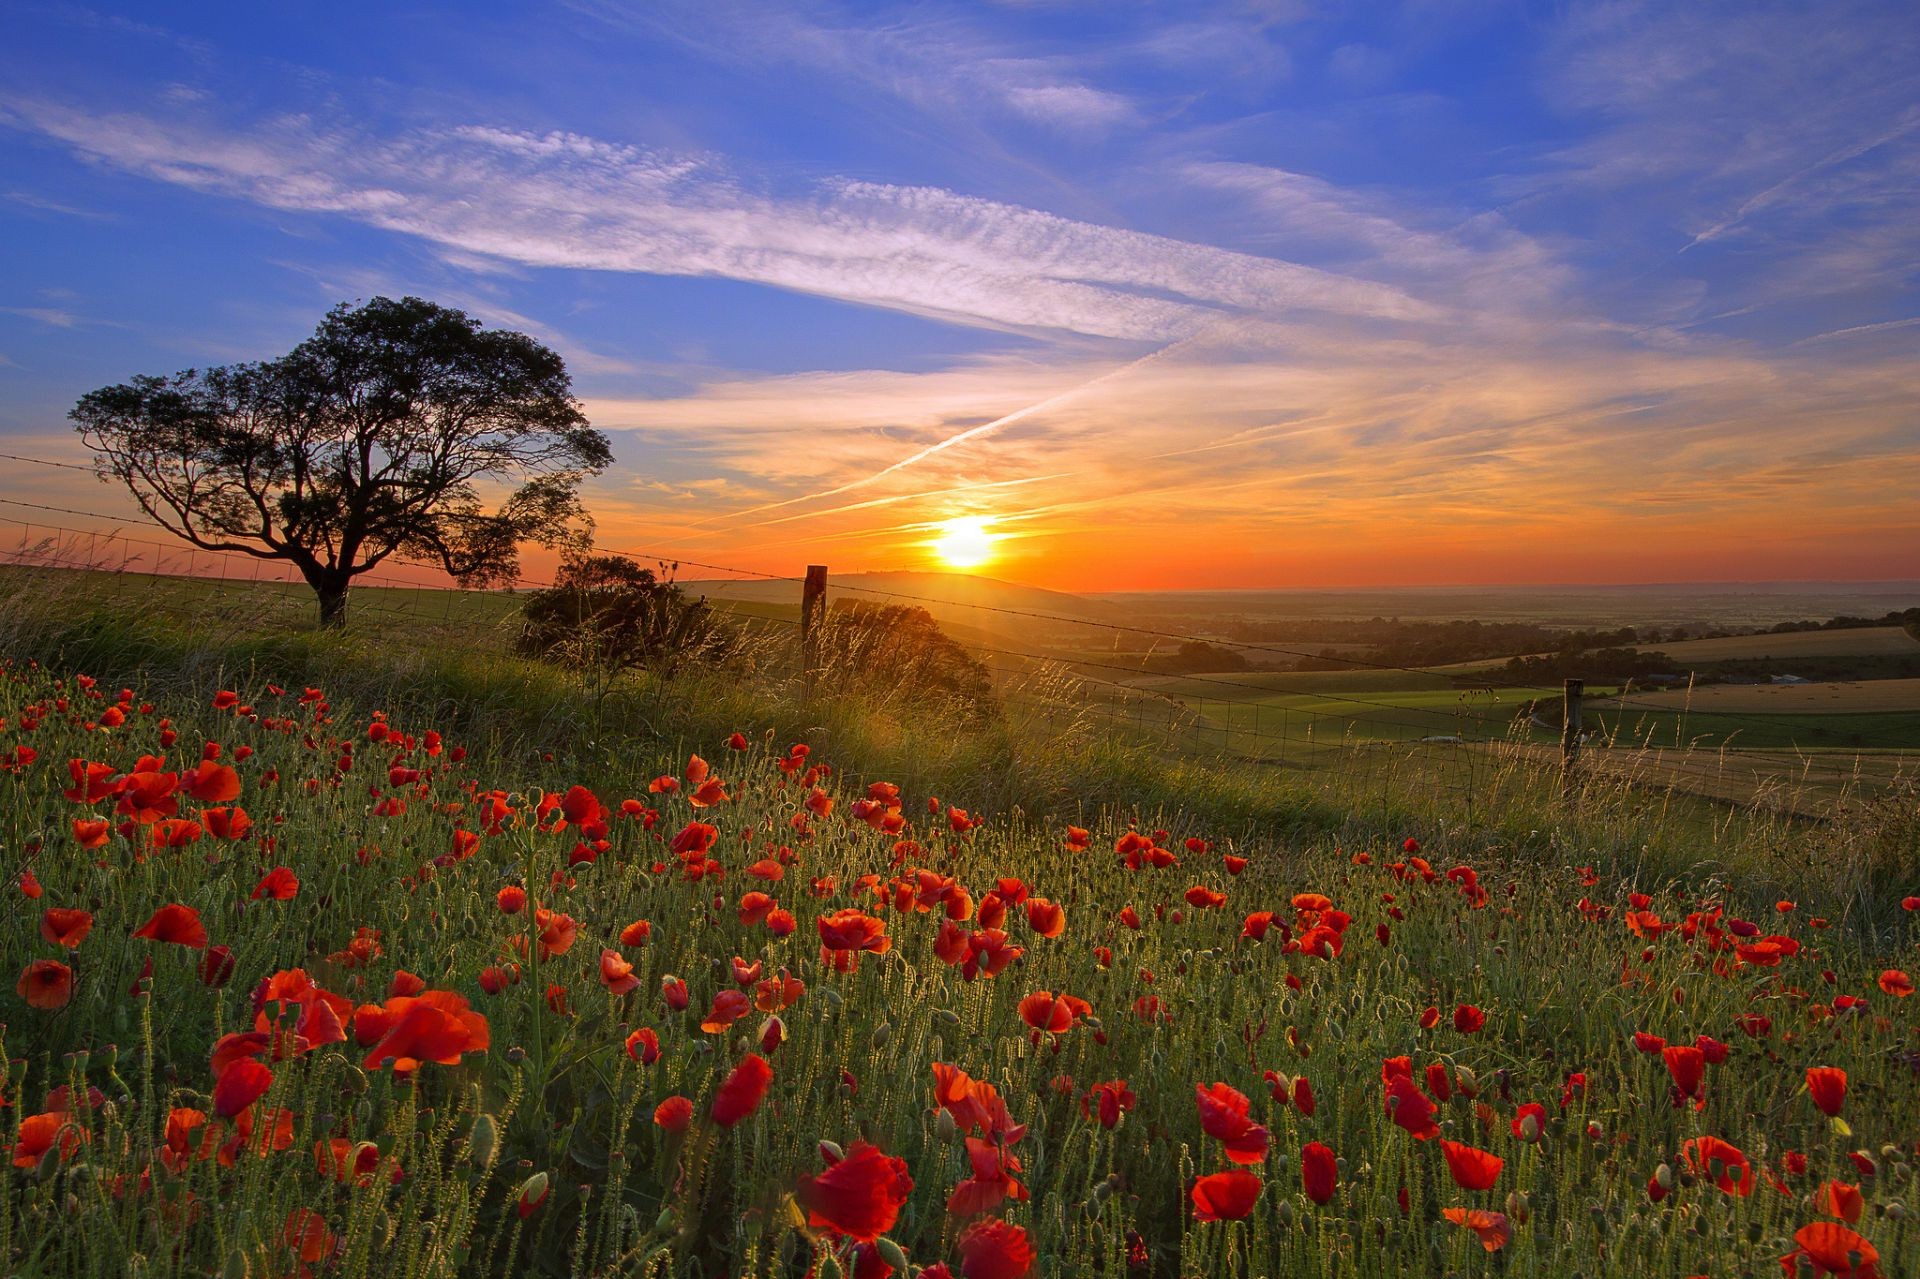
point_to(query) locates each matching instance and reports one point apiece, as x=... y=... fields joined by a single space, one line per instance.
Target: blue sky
x=1217 y=295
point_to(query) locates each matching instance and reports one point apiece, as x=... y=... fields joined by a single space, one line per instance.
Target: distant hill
x=962 y=602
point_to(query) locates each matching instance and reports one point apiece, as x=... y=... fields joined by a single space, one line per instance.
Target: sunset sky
x=1163 y=295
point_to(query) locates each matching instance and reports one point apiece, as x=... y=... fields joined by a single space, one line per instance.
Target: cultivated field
x=1865 y=641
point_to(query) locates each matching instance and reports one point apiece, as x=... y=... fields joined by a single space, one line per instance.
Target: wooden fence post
x=813 y=611
x=1570 y=736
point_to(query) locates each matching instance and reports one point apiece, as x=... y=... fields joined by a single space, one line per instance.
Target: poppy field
x=297 y=989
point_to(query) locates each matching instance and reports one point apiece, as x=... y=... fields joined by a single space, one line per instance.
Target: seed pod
x=881 y=1034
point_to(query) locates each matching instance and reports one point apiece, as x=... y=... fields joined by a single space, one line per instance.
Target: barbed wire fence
x=1464 y=731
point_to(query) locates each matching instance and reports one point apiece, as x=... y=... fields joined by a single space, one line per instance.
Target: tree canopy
x=401 y=430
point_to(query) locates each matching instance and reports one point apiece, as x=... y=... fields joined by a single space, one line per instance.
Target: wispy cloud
x=564 y=200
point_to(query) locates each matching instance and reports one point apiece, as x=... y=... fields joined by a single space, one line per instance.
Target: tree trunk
x=332 y=591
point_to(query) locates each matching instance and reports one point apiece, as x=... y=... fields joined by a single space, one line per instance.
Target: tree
x=380 y=437
x=606 y=613
x=899 y=649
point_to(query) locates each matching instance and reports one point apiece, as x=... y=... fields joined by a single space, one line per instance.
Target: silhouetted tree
x=380 y=436
x=606 y=612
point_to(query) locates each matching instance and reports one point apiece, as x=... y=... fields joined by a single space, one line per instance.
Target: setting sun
x=965 y=542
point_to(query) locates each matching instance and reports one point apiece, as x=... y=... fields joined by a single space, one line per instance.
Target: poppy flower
x=46 y=984
x=66 y=928
x=1204 y=898
x=1838 y=1199
x=280 y=884
x=674 y=1114
x=1721 y=1162
x=859 y=1195
x=1471 y=1169
x=740 y=1095
x=1529 y=1122
x=1107 y=1101
x=1896 y=983
x=240 y=1085
x=1042 y=1010
x=1827 y=1085
x=1832 y=1249
x=643 y=1045
x=1319 y=1171
x=1688 y=1066
x=230 y=822
x=40 y=1133
x=211 y=783
x=557 y=932
x=846 y=933
x=175 y=923
x=1225 y=1196
x=435 y=1026
x=91 y=832
x=1410 y=1108
x=616 y=974
x=1492 y=1228
x=512 y=899
x=995 y=1249
x=1046 y=918
x=1468 y=1019
x=729 y=1006
x=1224 y=1114
x=91 y=782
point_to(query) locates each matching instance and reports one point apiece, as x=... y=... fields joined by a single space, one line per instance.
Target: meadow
x=345 y=954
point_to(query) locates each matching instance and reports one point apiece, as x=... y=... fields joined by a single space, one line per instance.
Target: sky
x=1236 y=295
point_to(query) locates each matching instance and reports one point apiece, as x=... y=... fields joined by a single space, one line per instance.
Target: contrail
x=971 y=433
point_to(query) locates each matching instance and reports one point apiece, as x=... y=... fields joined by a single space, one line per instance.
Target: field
x=1865 y=641
x=312 y=987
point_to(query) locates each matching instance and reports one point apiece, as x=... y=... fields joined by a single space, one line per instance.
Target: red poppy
x=1108 y=1101
x=1225 y=1196
x=1046 y=918
x=616 y=974
x=46 y=984
x=1492 y=1228
x=557 y=932
x=175 y=923
x=1467 y=1019
x=1896 y=983
x=1472 y=1169
x=1042 y=1010
x=995 y=1249
x=1721 y=1162
x=41 y=1133
x=1224 y=1114
x=1319 y=1171
x=280 y=884
x=241 y=1084
x=674 y=1114
x=847 y=932
x=1410 y=1108
x=1688 y=1066
x=435 y=1026
x=740 y=1095
x=211 y=783
x=1204 y=898
x=1838 y=1199
x=643 y=1045
x=859 y=1195
x=729 y=1006
x=91 y=833
x=229 y=822
x=1827 y=1085
x=68 y=928
x=1832 y=1249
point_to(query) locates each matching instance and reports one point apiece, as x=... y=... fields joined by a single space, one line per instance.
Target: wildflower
x=1225 y=1196
x=1319 y=1172
x=740 y=1094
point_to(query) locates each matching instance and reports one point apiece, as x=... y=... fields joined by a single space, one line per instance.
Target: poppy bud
x=773 y=1033
x=946 y=1127
x=891 y=1253
x=833 y=999
x=1664 y=1176
x=1286 y=1212
x=1465 y=1081
x=1530 y=1128
x=830 y=1151
x=881 y=1034
x=483 y=1140
x=533 y=1193
x=663 y=1224
x=949 y=1018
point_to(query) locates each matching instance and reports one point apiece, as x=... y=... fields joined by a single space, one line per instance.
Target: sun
x=965 y=542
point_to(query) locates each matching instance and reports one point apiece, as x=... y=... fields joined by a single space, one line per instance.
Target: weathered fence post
x=1570 y=736
x=813 y=611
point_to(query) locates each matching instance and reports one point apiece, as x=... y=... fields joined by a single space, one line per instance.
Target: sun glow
x=965 y=542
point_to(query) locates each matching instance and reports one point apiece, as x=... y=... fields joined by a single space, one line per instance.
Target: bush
x=899 y=652
x=607 y=613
